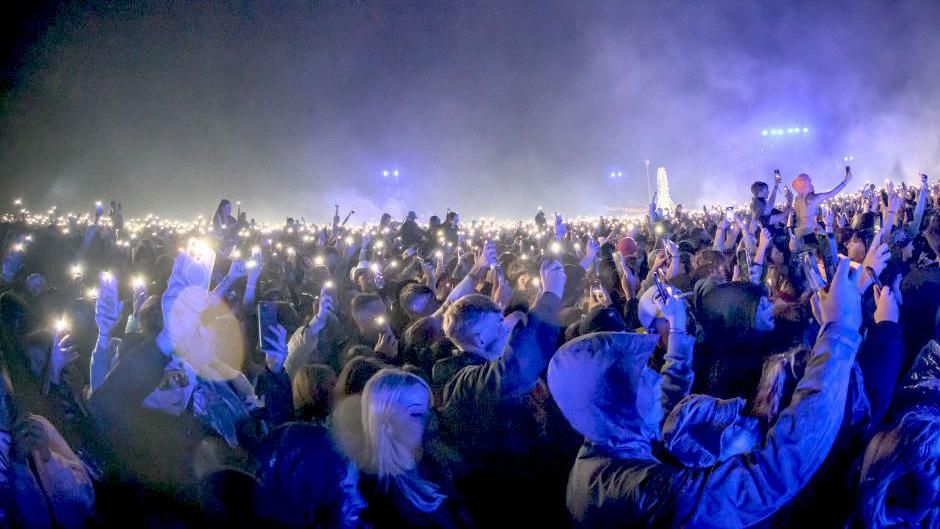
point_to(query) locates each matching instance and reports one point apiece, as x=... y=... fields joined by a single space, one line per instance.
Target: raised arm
x=754 y=485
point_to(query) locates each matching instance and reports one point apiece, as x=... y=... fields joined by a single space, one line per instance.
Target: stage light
x=805 y=130
x=385 y=173
x=395 y=173
x=619 y=174
x=764 y=132
x=613 y=175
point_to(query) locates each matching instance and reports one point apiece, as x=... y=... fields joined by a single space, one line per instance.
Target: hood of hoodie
x=595 y=381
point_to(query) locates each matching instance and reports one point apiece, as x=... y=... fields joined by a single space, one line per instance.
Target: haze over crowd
x=493 y=108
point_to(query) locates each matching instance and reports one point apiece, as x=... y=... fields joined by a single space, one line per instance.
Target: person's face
x=226 y=209
x=410 y=416
x=422 y=306
x=456 y=220
x=491 y=335
x=763 y=193
x=368 y=318
x=366 y=282
x=856 y=250
x=37 y=356
x=764 y=319
x=35 y=284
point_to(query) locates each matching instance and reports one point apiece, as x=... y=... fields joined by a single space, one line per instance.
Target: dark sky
x=486 y=107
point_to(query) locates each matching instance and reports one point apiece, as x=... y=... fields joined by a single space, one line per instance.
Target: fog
x=490 y=108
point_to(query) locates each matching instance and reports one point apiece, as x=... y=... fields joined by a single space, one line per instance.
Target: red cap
x=627 y=247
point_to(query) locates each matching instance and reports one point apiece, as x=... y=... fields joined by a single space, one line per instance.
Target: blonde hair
x=383 y=451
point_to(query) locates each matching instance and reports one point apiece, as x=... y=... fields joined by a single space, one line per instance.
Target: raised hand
x=107 y=307
x=63 y=353
x=673 y=309
x=841 y=302
x=318 y=322
x=553 y=277
x=886 y=305
x=387 y=344
x=275 y=347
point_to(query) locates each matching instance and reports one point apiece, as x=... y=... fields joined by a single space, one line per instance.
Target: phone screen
x=813 y=277
x=660 y=289
x=729 y=214
x=267 y=318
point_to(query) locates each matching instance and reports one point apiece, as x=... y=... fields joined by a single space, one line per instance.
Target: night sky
x=491 y=108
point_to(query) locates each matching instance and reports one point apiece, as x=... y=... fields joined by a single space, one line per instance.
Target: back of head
x=355 y=374
x=462 y=317
x=596 y=382
x=313 y=388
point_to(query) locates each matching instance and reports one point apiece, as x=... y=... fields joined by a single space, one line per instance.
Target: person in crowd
x=690 y=368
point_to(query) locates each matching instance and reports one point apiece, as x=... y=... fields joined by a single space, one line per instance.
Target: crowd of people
x=768 y=366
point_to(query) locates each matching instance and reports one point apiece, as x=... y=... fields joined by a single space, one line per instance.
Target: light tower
x=663 y=200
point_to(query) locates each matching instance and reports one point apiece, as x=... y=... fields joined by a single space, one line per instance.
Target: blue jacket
x=617 y=481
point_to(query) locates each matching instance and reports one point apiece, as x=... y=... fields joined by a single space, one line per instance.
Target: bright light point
x=349 y=240
x=393 y=264
x=106 y=276
x=619 y=173
x=98 y=204
x=613 y=175
x=290 y=250
x=61 y=325
x=805 y=130
x=556 y=247
x=374 y=267
x=138 y=282
x=329 y=284
x=658 y=229
x=17 y=247
x=318 y=260
x=251 y=264
x=91 y=293
x=77 y=270
x=18 y=202
x=384 y=173
x=380 y=244
x=763 y=133
x=535 y=282
x=395 y=173
x=525 y=257
x=380 y=320
x=438 y=253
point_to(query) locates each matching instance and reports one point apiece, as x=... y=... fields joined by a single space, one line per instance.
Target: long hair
x=890 y=455
x=217 y=217
x=384 y=452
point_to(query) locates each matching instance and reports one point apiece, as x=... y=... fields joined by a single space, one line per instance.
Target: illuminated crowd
x=772 y=364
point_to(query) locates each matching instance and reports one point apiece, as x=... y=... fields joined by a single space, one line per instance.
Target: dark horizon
x=487 y=108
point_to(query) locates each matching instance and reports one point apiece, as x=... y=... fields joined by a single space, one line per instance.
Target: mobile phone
x=874 y=277
x=596 y=290
x=777 y=177
x=744 y=263
x=267 y=318
x=811 y=271
x=848 y=169
x=729 y=214
x=199 y=264
x=660 y=289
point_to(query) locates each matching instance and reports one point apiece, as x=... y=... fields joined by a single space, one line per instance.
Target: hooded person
x=605 y=389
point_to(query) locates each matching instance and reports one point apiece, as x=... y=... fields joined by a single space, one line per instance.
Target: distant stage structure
x=663 y=200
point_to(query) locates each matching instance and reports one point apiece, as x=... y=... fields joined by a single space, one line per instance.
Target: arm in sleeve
x=752 y=486
x=880 y=360
x=299 y=349
x=677 y=370
x=530 y=348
